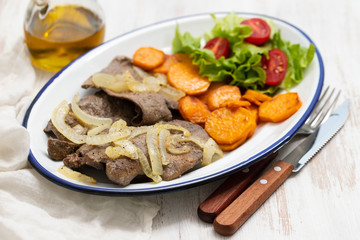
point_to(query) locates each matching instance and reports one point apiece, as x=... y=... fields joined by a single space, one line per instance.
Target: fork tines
x=324 y=106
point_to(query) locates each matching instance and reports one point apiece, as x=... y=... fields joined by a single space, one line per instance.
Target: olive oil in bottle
x=57 y=36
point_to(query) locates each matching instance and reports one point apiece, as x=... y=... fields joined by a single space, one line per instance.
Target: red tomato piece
x=220 y=46
x=275 y=66
x=261 y=31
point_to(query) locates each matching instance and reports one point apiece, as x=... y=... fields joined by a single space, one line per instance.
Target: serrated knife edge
x=326 y=132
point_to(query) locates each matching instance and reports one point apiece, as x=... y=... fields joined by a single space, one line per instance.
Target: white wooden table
x=322 y=201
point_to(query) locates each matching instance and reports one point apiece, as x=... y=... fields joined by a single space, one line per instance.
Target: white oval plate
x=66 y=83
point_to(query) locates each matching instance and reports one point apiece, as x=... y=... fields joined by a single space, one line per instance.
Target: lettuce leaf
x=243 y=67
x=298 y=58
x=230 y=28
x=184 y=43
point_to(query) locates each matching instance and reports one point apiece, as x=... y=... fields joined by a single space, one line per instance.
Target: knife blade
x=233 y=216
x=326 y=132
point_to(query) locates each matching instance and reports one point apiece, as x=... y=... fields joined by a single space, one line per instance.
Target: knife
x=233 y=216
x=326 y=132
x=212 y=206
x=215 y=203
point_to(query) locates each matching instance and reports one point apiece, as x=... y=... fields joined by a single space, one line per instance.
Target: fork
x=321 y=112
x=239 y=210
x=239 y=181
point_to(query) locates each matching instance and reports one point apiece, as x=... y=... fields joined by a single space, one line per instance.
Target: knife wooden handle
x=230 y=189
x=252 y=198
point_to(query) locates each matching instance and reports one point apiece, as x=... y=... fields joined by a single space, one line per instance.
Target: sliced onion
x=142 y=73
x=107 y=138
x=157 y=156
x=173 y=127
x=122 y=148
x=170 y=92
x=211 y=152
x=161 y=79
x=146 y=167
x=152 y=144
x=114 y=83
x=117 y=126
x=58 y=120
x=133 y=84
x=152 y=84
x=79 y=129
x=86 y=118
x=172 y=144
x=96 y=130
x=126 y=82
x=163 y=135
x=136 y=131
x=68 y=172
x=198 y=141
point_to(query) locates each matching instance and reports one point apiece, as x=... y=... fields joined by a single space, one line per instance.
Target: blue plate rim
x=194 y=182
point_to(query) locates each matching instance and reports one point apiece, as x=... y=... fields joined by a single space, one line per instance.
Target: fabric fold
x=32 y=208
x=14 y=140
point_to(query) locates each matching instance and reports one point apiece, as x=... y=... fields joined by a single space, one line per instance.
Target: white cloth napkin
x=31 y=207
x=34 y=208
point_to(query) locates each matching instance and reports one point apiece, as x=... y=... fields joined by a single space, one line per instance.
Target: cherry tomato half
x=261 y=31
x=220 y=46
x=275 y=66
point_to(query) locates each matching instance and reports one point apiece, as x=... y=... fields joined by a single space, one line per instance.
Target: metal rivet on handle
x=263 y=181
x=246 y=170
x=277 y=168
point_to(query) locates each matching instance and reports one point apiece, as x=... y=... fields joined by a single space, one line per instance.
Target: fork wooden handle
x=252 y=198
x=230 y=189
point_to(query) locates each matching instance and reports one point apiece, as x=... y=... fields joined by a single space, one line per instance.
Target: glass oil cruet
x=59 y=31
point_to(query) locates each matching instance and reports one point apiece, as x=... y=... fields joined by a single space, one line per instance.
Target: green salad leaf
x=230 y=28
x=298 y=59
x=185 y=43
x=243 y=67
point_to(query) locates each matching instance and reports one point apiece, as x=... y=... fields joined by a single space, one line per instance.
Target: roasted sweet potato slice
x=280 y=107
x=235 y=104
x=148 y=58
x=229 y=147
x=193 y=109
x=164 y=68
x=228 y=126
x=255 y=97
x=254 y=110
x=213 y=86
x=222 y=94
x=185 y=76
x=255 y=117
x=252 y=127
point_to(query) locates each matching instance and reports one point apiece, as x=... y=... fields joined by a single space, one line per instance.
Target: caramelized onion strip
x=174 y=144
x=146 y=167
x=122 y=148
x=58 y=120
x=163 y=135
x=152 y=144
x=86 y=118
x=211 y=152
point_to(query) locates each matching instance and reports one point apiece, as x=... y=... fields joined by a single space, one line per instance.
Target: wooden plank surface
x=321 y=201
